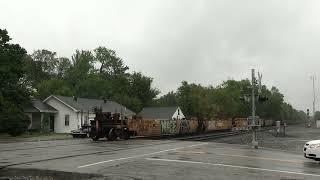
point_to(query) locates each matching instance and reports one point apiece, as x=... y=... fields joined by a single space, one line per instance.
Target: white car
x=311 y=150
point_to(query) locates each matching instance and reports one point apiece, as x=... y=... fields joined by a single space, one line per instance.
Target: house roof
x=39 y=106
x=158 y=112
x=86 y=104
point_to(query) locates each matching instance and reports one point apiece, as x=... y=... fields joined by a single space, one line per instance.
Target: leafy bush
x=16 y=122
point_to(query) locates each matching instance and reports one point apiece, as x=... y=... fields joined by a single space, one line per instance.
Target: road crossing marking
x=142 y=155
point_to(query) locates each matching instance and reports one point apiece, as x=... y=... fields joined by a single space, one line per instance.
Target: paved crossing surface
x=151 y=159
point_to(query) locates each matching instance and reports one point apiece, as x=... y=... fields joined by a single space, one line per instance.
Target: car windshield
x=159 y=89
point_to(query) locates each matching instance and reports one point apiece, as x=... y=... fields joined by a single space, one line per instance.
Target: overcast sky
x=203 y=42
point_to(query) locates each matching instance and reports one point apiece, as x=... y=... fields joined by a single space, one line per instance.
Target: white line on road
x=262 y=158
x=142 y=155
x=233 y=166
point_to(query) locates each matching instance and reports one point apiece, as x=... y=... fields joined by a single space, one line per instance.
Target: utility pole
x=254 y=135
x=314 y=98
x=308 y=116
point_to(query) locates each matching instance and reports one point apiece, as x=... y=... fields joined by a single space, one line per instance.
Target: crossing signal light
x=262 y=98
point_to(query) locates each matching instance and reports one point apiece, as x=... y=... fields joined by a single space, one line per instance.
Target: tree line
x=223 y=101
x=101 y=73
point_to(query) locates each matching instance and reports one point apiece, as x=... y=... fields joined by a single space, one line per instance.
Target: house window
x=66 y=120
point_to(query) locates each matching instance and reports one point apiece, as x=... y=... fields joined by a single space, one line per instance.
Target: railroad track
x=204 y=137
x=168 y=141
x=213 y=136
x=201 y=137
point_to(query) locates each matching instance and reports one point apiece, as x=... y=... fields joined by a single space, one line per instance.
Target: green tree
x=193 y=100
x=82 y=66
x=47 y=60
x=110 y=63
x=42 y=65
x=13 y=93
x=317 y=115
x=140 y=87
x=169 y=99
x=53 y=86
x=63 y=65
x=99 y=74
x=223 y=101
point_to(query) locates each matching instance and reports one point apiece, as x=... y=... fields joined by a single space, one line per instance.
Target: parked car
x=83 y=132
x=311 y=150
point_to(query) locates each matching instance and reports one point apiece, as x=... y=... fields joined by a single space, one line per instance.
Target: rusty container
x=183 y=126
x=240 y=124
x=223 y=124
x=145 y=127
x=212 y=125
x=193 y=125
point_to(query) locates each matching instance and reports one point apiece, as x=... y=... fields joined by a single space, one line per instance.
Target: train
x=245 y=123
x=112 y=127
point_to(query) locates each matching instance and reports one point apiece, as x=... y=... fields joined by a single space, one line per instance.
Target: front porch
x=42 y=116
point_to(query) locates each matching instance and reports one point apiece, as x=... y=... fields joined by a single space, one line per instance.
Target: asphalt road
x=151 y=159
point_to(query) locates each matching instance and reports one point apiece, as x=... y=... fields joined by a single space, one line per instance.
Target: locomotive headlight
x=314 y=146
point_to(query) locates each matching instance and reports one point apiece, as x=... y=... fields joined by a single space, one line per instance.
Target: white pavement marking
x=262 y=158
x=234 y=166
x=142 y=155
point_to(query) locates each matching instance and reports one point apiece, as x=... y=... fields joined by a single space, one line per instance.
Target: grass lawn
x=34 y=136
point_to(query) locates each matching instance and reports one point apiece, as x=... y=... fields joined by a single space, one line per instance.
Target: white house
x=73 y=112
x=162 y=113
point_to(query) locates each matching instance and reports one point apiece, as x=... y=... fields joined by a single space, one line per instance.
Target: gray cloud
x=199 y=41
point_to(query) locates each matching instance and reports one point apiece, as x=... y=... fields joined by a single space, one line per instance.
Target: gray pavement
x=296 y=137
x=151 y=159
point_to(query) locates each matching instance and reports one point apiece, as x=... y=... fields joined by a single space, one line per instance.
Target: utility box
x=318 y=123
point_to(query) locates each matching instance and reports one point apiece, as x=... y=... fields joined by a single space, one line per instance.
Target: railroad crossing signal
x=254 y=98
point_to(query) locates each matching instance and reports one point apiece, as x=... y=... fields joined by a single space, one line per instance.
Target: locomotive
x=108 y=125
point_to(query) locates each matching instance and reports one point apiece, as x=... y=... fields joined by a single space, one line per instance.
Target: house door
x=52 y=123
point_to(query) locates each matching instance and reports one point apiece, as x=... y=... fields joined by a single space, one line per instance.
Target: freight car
x=267 y=122
x=240 y=124
x=151 y=127
x=112 y=126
